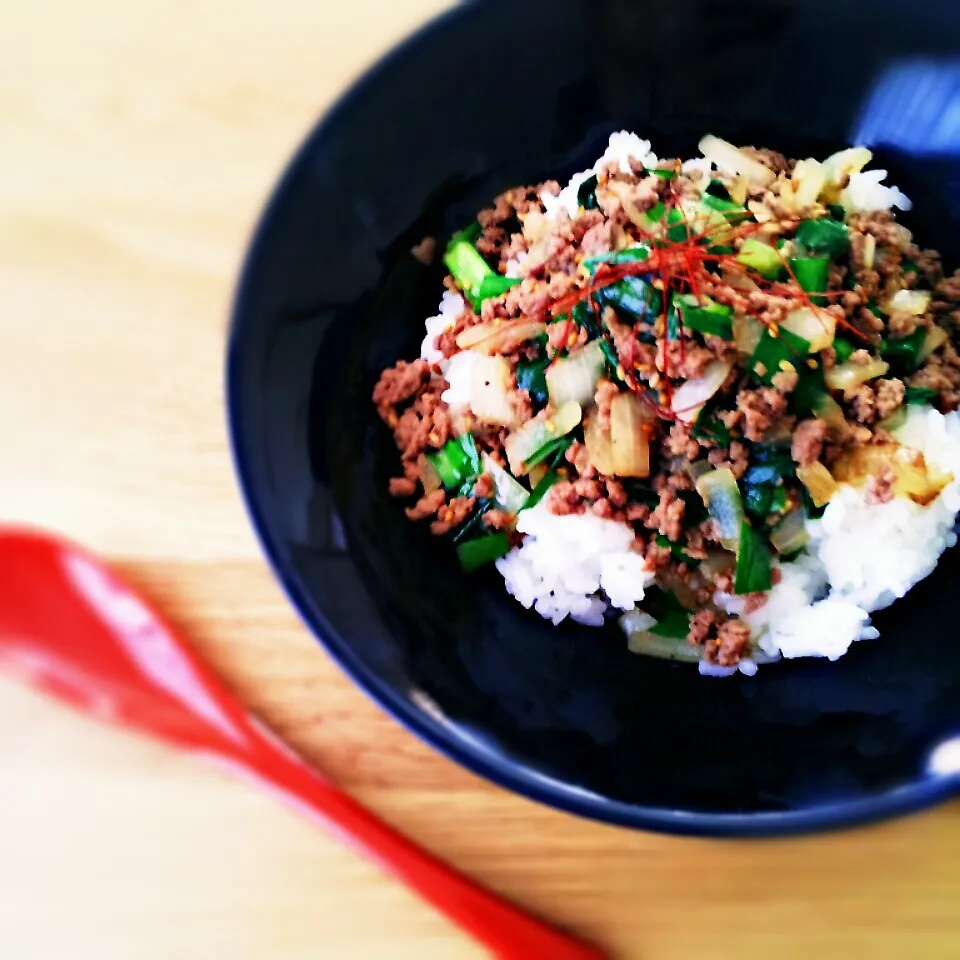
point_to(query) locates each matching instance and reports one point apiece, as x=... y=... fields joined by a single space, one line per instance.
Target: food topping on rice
x=715 y=399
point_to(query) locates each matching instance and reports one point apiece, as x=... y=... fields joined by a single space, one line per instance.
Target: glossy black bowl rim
x=927 y=790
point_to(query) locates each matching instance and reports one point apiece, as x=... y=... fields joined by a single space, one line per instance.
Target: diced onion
x=808 y=180
x=629 y=438
x=689 y=397
x=839 y=166
x=848 y=376
x=936 y=338
x=599 y=449
x=828 y=410
x=819 y=482
x=816 y=326
x=508 y=494
x=547 y=425
x=733 y=161
x=914 y=303
x=721 y=495
x=490 y=380
x=493 y=337
x=575 y=377
x=869 y=250
x=914 y=477
x=790 y=534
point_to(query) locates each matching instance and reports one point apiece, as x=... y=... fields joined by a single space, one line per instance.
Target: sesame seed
x=811 y=363
x=787 y=366
x=434 y=440
x=572 y=339
x=448 y=517
x=774 y=331
x=760 y=369
x=621 y=373
x=551 y=426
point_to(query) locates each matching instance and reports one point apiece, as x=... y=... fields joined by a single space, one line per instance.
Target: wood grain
x=140 y=141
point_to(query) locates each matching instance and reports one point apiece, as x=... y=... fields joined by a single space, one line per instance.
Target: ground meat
x=667 y=518
x=680 y=442
x=808 y=441
x=761 y=409
x=498 y=519
x=577 y=456
x=733 y=641
x=425 y=424
x=427 y=505
x=703 y=627
x=861 y=357
x=901 y=325
x=785 y=381
x=606 y=391
x=864 y=403
x=736 y=459
x=564 y=336
x=402 y=487
x=777 y=162
x=880 y=485
x=455 y=513
x=889 y=397
x=399 y=383
x=484 y=486
x=949 y=289
x=687 y=360
x=599 y=239
x=502 y=219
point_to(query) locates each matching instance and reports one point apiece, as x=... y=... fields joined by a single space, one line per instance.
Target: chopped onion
x=828 y=410
x=490 y=380
x=690 y=397
x=808 y=180
x=914 y=477
x=428 y=474
x=936 y=338
x=599 y=449
x=733 y=161
x=498 y=337
x=838 y=168
x=508 y=494
x=547 y=425
x=914 y=303
x=739 y=281
x=819 y=482
x=816 y=326
x=575 y=377
x=790 y=534
x=848 y=376
x=629 y=437
x=747 y=333
x=721 y=495
x=664 y=648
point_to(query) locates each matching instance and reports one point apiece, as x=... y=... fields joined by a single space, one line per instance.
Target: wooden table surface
x=139 y=142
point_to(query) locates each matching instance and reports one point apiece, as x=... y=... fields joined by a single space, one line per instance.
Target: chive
x=753 y=574
x=811 y=274
x=919 y=395
x=904 y=354
x=587 y=194
x=707 y=317
x=531 y=374
x=843 y=348
x=761 y=257
x=675 y=625
x=453 y=463
x=660 y=172
x=607 y=349
x=629 y=255
x=477 y=553
x=824 y=237
x=634 y=296
x=493 y=285
x=731 y=210
x=584 y=317
x=772 y=351
x=678 y=229
x=466 y=266
x=710 y=427
x=548 y=450
x=473 y=521
x=541 y=489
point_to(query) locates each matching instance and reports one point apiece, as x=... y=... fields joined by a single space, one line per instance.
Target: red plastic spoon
x=71 y=628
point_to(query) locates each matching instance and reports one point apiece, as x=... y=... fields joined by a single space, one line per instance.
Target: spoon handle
x=505 y=930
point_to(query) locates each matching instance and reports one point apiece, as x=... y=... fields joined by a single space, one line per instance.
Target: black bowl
x=500 y=93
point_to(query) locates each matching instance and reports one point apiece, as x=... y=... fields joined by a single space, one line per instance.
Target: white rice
x=861 y=556
x=564 y=563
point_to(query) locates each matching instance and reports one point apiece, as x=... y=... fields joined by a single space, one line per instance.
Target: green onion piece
x=634 y=296
x=493 y=285
x=473 y=521
x=610 y=354
x=466 y=265
x=453 y=463
x=811 y=273
x=761 y=257
x=531 y=374
x=477 y=553
x=557 y=444
x=674 y=624
x=825 y=237
x=660 y=172
x=838 y=211
x=753 y=574
x=656 y=212
x=908 y=266
x=587 y=194
x=708 y=425
x=628 y=255
x=469 y=234
x=757 y=500
x=706 y=316
x=904 y=354
x=772 y=351
x=678 y=230
x=843 y=348
x=718 y=189
x=919 y=395
x=469 y=447
x=778 y=502
x=583 y=316
x=541 y=489
x=731 y=210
